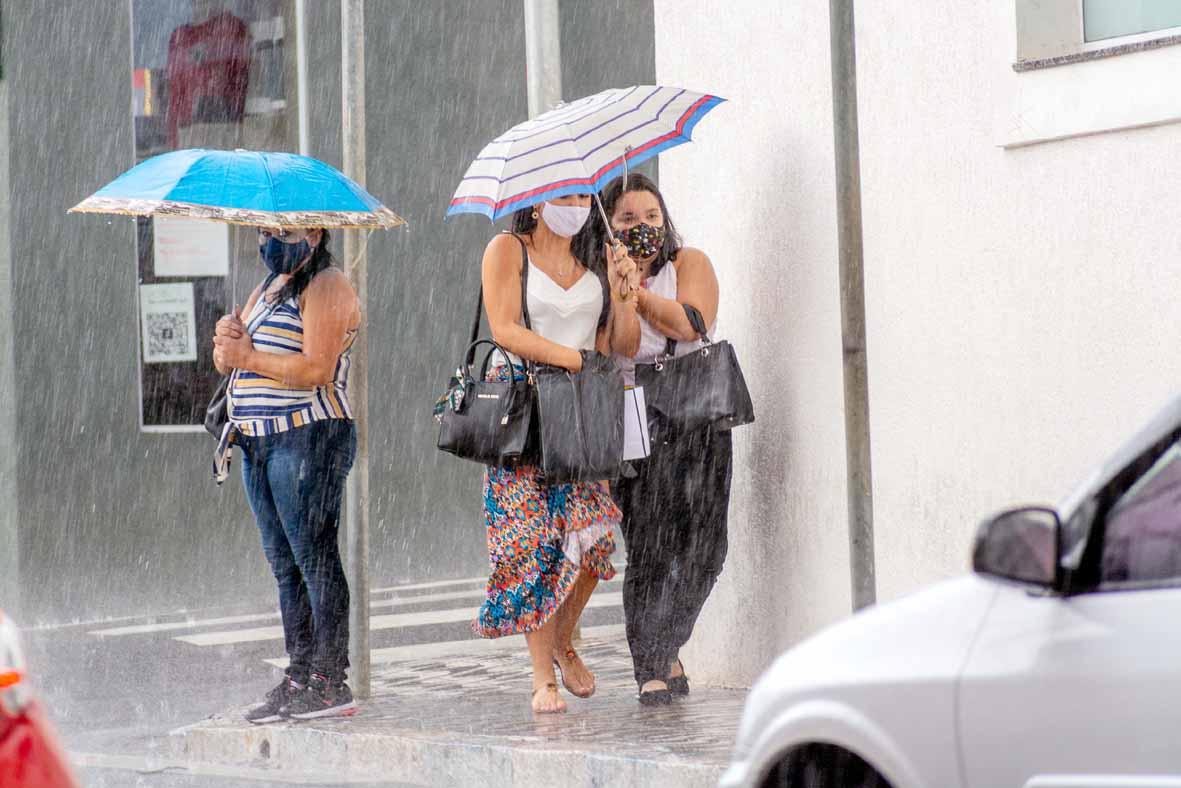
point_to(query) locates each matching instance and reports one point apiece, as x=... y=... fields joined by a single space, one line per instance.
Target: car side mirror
x=1023 y=544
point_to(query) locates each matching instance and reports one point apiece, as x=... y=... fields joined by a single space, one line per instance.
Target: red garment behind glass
x=208 y=71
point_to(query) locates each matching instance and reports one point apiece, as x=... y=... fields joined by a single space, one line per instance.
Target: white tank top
x=567 y=317
x=652 y=342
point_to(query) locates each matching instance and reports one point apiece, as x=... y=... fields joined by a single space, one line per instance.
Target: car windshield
x=1143 y=535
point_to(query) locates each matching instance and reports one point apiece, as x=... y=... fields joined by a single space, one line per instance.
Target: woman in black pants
x=674 y=507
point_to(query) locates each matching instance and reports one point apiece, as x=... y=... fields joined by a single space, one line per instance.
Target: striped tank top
x=259 y=405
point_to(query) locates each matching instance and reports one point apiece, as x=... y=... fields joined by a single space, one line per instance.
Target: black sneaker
x=277 y=698
x=321 y=698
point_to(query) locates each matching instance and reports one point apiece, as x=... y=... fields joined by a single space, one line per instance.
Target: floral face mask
x=642 y=241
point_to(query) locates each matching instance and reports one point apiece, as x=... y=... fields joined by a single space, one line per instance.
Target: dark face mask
x=283 y=258
x=642 y=241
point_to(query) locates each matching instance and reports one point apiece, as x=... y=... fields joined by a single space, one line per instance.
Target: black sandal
x=655 y=697
x=678 y=685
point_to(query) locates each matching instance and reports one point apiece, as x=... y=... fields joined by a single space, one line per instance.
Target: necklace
x=559 y=273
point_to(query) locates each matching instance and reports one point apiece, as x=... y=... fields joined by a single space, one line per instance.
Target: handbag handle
x=470 y=357
x=698 y=323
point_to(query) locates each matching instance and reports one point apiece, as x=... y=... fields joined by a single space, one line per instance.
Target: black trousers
x=674 y=524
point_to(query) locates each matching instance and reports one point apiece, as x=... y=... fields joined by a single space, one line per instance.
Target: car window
x=1142 y=540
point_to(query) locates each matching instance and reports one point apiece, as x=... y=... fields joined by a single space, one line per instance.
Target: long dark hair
x=637 y=182
x=321 y=259
x=586 y=246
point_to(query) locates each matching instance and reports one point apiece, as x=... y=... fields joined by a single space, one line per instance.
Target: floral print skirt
x=540 y=536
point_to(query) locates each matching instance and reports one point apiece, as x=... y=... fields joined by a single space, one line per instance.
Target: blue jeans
x=294 y=481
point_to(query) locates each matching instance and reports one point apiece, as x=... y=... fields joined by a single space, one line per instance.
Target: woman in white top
x=674 y=507
x=550 y=544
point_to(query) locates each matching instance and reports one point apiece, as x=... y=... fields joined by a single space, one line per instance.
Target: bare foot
x=546 y=700
x=676 y=669
x=656 y=685
x=579 y=681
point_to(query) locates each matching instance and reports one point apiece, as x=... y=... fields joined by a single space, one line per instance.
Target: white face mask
x=565 y=220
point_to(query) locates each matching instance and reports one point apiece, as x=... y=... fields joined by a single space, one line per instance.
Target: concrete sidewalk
x=462 y=719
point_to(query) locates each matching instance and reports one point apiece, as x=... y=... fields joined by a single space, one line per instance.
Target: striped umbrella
x=578 y=148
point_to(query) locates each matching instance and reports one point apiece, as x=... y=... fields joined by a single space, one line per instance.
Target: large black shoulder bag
x=482 y=420
x=579 y=414
x=696 y=390
x=580 y=420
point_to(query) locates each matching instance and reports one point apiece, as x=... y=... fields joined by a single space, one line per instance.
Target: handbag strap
x=524 y=299
x=698 y=323
x=524 y=292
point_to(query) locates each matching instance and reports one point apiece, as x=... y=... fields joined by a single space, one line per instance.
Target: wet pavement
x=464 y=719
x=448 y=709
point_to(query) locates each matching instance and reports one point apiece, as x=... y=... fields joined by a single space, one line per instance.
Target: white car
x=1057 y=664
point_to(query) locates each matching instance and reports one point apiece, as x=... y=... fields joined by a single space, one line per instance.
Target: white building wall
x=1021 y=302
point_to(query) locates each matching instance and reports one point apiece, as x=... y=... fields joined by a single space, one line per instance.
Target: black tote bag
x=580 y=420
x=700 y=389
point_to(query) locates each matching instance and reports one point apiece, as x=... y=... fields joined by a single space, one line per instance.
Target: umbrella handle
x=615 y=242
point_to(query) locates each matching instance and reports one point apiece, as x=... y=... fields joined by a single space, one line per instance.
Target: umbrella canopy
x=241 y=187
x=578 y=148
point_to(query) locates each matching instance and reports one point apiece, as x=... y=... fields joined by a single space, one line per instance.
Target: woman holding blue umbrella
x=288 y=402
x=287 y=398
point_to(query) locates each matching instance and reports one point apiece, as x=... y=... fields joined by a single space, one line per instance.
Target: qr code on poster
x=168 y=334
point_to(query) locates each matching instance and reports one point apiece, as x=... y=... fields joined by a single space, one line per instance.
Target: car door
x=1085 y=690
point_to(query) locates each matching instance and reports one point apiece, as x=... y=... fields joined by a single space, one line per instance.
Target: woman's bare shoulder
x=690 y=258
x=504 y=250
x=331 y=284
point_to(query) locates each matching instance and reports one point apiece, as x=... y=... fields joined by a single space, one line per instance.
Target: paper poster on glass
x=190 y=247
x=169 y=326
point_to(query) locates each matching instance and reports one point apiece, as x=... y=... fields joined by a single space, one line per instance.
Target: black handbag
x=486 y=421
x=580 y=420
x=696 y=390
x=480 y=420
x=217 y=411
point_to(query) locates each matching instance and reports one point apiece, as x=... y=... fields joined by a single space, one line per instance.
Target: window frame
x=1087 y=576
x=1064 y=23
x=1117 y=41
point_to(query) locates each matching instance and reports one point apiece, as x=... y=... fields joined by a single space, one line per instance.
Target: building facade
x=1019 y=202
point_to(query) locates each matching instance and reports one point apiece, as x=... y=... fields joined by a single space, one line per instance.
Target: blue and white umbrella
x=256 y=188
x=578 y=148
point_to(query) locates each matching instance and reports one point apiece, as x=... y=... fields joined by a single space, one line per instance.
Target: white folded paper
x=636 y=444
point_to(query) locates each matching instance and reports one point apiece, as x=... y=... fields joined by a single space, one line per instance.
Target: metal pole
x=301 y=74
x=543 y=55
x=848 y=183
x=352 y=57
